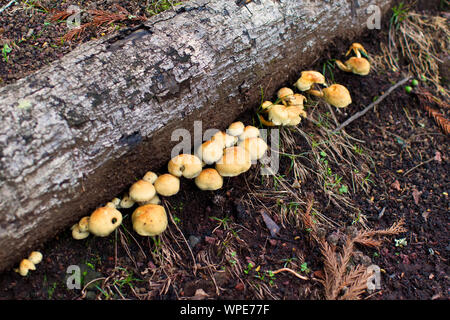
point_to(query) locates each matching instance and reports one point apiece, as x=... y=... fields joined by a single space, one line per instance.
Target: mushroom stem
x=342 y=66
x=266 y=122
x=316 y=93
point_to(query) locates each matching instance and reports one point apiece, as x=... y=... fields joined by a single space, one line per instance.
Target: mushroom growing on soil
x=126 y=201
x=167 y=185
x=235 y=129
x=186 y=165
x=141 y=191
x=150 y=176
x=209 y=179
x=355 y=65
x=286 y=95
x=337 y=95
x=103 y=221
x=149 y=220
x=35 y=257
x=25 y=266
x=210 y=151
x=308 y=79
x=256 y=147
x=235 y=161
x=278 y=115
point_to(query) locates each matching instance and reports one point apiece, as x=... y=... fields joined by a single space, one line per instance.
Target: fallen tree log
x=78 y=132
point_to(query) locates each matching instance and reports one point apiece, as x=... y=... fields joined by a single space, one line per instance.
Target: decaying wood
x=78 y=132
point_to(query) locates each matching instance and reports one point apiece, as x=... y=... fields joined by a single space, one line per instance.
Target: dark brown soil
x=411 y=181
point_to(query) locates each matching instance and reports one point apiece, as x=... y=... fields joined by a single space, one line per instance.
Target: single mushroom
x=209 y=179
x=235 y=161
x=210 y=151
x=235 y=129
x=103 y=221
x=149 y=220
x=308 y=79
x=167 y=185
x=357 y=48
x=25 y=266
x=35 y=257
x=278 y=115
x=286 y=95
x=256 y=147
x=142 y=191
x=224 y=139
x=249 y=132
x=337 y=95
x=126 y=201
x=266 y=105
x=294 y=115
x=150 y=176
x=77 y=234
x=359 y=66
x=83 y=224
x=186 y=165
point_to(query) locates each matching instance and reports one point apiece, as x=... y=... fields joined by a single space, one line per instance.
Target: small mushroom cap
x=224 y=139
x=35 y=257
x=126 y=201
x=103 y=221
x=337 y=95
x=83 y=224
x=210 y=151
x=24 y=266
x=77 y=234
x=186 y=165
x=110 y=204
x=149 y=220
x=356 y=48
x=116 y=202
x=358 y=65
x=297 y=100
x=209 y=179
x=256 y=147
x=278 y=115
x=150 y=176
x=266 y=104
x=285 y=95
x=295 y=111
x=249 y=132
x=167 y=185
x=235 y=161
x=142 y=190
x=235 y=129
x=308 y=78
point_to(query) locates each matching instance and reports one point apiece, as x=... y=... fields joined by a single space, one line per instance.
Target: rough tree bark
x=78 y=132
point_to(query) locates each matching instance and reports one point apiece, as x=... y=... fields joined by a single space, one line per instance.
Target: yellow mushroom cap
x=24 y=266
x=83 y=224
x=186 y=165
x=294 y=114
x=149 y=220
x=278 y=115
x=285 y=94
x=308 y=78
x=210 y=151
x=266 y=104
x=167 y=185
x=126 y=201
x=235 y=129
x=358 y=65
x=224 y=139
x=150 y=176
x=104 y=220
x=235 y=161
x=209 y=179
x=142 y=190
x=249 y=132
x=297 y=100
x=154 y=200
x=35 y=257
x=77 y=234
x=256 y=147
x=337 y=95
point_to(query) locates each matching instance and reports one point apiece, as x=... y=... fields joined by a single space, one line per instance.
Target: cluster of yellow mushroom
x=231 y=153
x=30 y=263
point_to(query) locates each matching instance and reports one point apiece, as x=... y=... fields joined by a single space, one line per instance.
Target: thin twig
x=373 y=104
